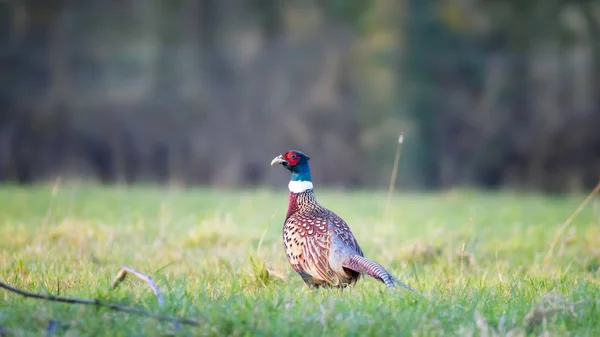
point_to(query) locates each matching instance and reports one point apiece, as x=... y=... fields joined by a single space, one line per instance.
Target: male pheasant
x=319 y=244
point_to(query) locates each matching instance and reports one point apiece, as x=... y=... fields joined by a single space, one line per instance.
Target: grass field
x=478 y=259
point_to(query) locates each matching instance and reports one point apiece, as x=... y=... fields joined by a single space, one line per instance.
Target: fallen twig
x=126 y=269
x=567 y=222
x=100 y=303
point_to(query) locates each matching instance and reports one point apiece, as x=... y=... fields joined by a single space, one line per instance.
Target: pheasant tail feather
x=365 y=266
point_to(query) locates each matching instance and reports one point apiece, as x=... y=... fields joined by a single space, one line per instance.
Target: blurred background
x=488 y=93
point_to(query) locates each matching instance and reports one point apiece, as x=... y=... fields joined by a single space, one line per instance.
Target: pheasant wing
x=341 y=230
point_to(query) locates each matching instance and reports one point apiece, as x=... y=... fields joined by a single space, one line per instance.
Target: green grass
x=477 y=258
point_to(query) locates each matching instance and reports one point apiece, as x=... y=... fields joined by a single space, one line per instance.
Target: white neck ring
x=299 y=186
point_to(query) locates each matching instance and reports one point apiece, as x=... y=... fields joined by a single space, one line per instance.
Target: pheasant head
x=297 y=163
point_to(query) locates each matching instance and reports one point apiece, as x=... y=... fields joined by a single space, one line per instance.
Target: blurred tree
x=488 y=92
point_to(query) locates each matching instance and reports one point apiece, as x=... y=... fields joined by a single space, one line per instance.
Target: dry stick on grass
x=394 y=172
x=116 y=307
x=128 y=270
x=100 y=303
x=566 y=224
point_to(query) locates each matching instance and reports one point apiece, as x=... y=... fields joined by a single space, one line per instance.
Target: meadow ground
x=477 y=257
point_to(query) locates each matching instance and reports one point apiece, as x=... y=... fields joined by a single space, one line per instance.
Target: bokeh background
x=488 y=93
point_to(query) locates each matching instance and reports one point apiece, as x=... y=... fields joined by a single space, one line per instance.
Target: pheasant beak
x=278 y=160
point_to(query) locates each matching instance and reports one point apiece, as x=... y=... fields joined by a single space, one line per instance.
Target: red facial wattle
x=292 y=158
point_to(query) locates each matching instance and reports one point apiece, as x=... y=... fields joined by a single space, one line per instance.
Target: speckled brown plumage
x=319 y=244
x=307 y=238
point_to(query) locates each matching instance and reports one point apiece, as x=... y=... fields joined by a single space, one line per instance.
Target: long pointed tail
x=365 y=266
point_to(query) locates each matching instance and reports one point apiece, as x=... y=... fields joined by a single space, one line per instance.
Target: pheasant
x=319 y=244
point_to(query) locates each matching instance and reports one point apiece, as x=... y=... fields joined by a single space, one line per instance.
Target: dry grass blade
x=262 y=273
x=394 y=173
x=567 y=222
x=128 y=270
x=100 y=303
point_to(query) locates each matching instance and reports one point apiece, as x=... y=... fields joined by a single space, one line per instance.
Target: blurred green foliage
x=488 y=93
